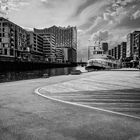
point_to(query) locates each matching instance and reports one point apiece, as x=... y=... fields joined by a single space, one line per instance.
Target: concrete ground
x=25 y=115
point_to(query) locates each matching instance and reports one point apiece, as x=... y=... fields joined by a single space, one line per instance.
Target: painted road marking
x=85 y=106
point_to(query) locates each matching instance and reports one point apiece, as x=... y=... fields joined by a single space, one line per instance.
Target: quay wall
x=19 y=66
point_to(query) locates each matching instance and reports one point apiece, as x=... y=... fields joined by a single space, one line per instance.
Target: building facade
x=35 y=43
x=59 y=55
x=123 y=50
x=137 y=47
x=118 y=53
x=54 y=44
x=105 y=47
x=65 y=39
x=113 y=52
x=49 y=47
x=110 y=52
x=131 y=48
x=13 y=41
x=129 y=45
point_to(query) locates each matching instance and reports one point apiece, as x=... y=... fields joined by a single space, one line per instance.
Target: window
x=6 y=34
x=11 y=52
x=5 y=51
x=6 y=45
x=0 y=51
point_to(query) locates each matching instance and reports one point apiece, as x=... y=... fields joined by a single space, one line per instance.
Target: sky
x=109 y=20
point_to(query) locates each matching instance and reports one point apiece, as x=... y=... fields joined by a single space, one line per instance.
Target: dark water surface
x=22 y=75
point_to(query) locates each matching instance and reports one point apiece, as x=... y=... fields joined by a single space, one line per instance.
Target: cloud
x=125 y=2
x=116 y=14
x=3 y=8
x=100 y=35
x=109 y=17
x=98 y=24
x=104 y=17
x=7 y=5
x=129 y=22
x=86 y=13
x=44 y=1
x=91 y=12
x=61 y=12
x=136 y=14
x=84 y=4
x=15 y=4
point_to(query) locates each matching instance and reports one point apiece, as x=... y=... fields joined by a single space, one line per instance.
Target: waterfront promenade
x=100 y=105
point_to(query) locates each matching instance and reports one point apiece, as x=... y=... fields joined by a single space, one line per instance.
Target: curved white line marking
x=86 y=106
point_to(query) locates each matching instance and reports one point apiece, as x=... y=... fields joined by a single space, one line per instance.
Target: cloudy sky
x=112 y=20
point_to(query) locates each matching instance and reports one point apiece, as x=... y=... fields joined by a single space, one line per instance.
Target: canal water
x=23 y=75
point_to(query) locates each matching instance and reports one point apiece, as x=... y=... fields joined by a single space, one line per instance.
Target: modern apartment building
x=129 y=45
x=59 y=55
x=35 y=43
x=137 y=47
x=110 y=52
x=65 y=39
x=13 y=41
x=131 y=48
x=118 y=53
x=123 y=50
x=54 y=44
x=49 y=46
x=105 y=47
x=115 y=52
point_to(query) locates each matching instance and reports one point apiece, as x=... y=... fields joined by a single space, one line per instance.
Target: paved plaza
x=115 y=91
x=99 y=105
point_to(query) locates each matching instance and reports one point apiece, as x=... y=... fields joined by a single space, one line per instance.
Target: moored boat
x=98 y=60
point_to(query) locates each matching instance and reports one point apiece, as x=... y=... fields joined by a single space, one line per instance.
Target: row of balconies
x=21 y=55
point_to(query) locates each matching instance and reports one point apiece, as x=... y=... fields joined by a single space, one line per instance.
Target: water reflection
x=22 y=75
